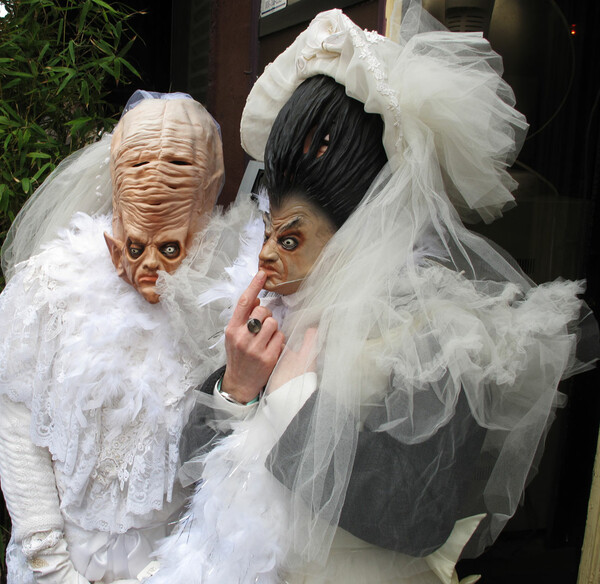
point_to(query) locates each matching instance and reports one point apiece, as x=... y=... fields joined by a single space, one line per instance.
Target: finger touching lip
x=269 y=273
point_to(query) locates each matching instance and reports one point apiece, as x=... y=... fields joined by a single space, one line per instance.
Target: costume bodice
x=104 y=376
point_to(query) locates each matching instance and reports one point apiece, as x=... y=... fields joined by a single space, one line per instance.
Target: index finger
x=247 y=300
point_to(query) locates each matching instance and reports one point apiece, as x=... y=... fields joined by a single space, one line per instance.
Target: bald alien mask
x=167 y=170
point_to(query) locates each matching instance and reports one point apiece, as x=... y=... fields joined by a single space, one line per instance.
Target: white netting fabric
x=438 y=361
x=80 y=183
x=435 y=86
x=401 y=337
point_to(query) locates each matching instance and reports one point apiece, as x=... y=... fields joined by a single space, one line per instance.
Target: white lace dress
x=107 y=384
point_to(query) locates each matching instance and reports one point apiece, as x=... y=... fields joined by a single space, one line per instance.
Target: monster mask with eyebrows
x=167 y=171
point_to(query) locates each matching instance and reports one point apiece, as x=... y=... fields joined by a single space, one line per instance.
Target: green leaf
x=127 y=47
x=105 y=5
x=84 y=92
x=95 y=82
x=65 y=81
x=117 y=66
x=60 y=69
x=12 y=84
x=26 y=185
x=7 y=108
x=38 y=155
x=104 y=63
x=59 y=33
x=72 y=51
x=44 y=50
x=129 y=66
x=37 y=128
x=78 y=123
x=4 y=198
x=103 y=46
x=83 y=14
x=4 y=121
x=20 y=74
x=43 y=168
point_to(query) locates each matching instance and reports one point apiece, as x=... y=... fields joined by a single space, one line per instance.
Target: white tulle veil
x=80 y=183
x=412 y=309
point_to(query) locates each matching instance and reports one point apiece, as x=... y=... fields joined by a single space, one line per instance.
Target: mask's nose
x=151 y=259
x=269 y=253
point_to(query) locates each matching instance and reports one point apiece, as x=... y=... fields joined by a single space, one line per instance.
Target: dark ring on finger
x=254 y=325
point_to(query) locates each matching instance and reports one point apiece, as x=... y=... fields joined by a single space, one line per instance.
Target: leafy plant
x=59 y=61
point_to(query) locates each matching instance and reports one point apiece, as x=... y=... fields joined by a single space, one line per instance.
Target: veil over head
x=418 y=320
x=80 y=183
x=412 y=309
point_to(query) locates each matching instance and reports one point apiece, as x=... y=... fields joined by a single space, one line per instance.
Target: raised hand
x=251 y=356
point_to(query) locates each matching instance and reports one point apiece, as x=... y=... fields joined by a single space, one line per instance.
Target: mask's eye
x=135 y=250
x=288 y=243
x=170 y=250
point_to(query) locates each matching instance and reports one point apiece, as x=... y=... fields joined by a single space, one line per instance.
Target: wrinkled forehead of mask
x=166 y=165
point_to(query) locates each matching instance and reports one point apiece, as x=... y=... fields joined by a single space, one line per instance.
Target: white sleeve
x=31 y=496
x=237 y=411
x=49 y=559
x=286 y=401
x=26 y=474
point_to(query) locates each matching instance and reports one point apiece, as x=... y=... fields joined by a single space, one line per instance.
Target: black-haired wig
x=320 y=113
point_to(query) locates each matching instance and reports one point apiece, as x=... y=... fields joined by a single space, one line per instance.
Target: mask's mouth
x=150 y=279
x=288 y=282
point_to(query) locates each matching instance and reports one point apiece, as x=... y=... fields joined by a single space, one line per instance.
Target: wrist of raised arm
x=239 y=392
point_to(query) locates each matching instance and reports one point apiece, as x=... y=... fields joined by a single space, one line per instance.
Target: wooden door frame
x=589 y=565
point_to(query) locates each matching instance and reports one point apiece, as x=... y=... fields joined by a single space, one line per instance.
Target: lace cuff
x=39 y=542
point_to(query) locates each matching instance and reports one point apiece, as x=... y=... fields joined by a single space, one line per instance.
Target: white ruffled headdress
x=442 y=86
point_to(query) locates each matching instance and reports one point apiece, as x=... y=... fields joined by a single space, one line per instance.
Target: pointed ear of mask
x=115 y=248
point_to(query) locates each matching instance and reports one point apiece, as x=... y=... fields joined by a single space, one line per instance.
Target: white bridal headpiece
x=443 y=84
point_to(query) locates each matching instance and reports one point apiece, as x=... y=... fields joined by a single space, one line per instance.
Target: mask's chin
x=147 y=290
x=149 y=295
